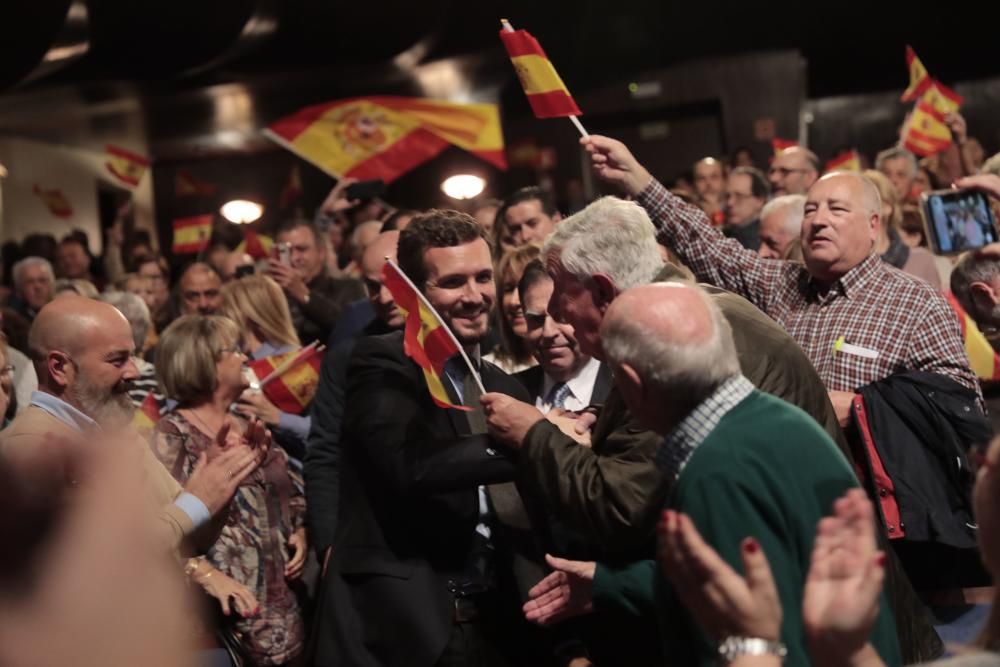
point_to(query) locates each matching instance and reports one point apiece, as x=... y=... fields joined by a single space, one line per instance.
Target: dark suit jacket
x=533 y=380
x=327 y=298
x=408 y=509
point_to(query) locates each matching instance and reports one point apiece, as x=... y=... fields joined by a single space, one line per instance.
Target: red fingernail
x=751 y=546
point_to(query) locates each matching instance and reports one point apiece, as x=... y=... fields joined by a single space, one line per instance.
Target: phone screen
x=958 y=220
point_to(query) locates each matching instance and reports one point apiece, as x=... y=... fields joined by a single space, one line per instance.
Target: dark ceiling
x=850 y=46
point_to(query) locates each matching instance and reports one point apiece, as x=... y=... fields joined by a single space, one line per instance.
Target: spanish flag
x=547 y=94
x=385 y=137
x=186 y=185
x=292 y=190
x=920 y=80
x=294 y=389
x=982 y=358
x=941 y=98
x=426 y=338
x=845 y=161
x=926 y=133
x=126 y=166
x=778 y=145
x=256 y=245
x=55 y=201
x=147 y=415
x=192 y=234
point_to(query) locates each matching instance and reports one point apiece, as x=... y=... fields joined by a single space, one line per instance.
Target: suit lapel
x=602 y=385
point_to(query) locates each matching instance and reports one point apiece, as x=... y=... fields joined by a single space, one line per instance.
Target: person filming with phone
x=975 y=281
x=314 y=297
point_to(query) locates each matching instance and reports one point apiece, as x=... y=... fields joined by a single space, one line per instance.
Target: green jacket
x=766 y=471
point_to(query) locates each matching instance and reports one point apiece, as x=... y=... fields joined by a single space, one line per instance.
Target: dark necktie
x=558 y=395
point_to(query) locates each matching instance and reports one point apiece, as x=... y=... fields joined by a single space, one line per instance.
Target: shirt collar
x=580 y=385
x=854 y=281
x=679 y=444
x=62 y=411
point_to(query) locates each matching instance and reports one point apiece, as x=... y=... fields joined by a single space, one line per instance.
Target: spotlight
x=463 y=186
x=241 y=211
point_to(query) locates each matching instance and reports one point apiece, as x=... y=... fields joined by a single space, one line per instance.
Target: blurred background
x=188 y=86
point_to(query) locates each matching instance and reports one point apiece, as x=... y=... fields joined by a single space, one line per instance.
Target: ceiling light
x=241 y=211
x=463 y=186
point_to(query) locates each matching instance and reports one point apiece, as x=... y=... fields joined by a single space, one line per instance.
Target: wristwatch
x=734 y=647
x=191 y=566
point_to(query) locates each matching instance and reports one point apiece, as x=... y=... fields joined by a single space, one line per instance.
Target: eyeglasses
x=235 y=348
x=785 y=171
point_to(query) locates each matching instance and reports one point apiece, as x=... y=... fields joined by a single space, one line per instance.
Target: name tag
x=841 y=345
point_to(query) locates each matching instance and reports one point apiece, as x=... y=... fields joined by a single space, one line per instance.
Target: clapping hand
x=565 y=593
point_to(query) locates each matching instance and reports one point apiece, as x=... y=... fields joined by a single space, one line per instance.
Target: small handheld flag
x=290 y=380
x=920 y=80
x=192 y=234
x=426 y=338
x=848 y=160
x=126 y=166
x=547 y=94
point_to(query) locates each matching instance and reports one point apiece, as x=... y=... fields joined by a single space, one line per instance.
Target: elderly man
x=843 y=295
x=781 y=227
x=199 y=290
x=746 y=192
x=33 y=284
x=529 y=215
x=565 y=378
x=900 y=167
x=424 y=571
x=793 y=171
x=751 y=471
x=314 y=297
x=82 y=350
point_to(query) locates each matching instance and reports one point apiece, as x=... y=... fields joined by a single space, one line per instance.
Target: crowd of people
x=730 y=417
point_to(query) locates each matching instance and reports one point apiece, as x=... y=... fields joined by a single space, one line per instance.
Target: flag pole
x=507 y=27
x=451 y=335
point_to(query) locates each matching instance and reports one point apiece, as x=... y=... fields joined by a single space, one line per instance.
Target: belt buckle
x=464 y=610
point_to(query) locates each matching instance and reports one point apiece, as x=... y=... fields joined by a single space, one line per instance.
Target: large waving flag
x=920 y=80
x=547 y=94
x=426 y=338
x=385 y=137
x=982 y=358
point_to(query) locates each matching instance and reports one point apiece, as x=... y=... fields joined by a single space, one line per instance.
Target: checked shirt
x=897 y=322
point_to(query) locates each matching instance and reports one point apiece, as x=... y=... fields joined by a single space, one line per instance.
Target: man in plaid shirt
x=858 y=319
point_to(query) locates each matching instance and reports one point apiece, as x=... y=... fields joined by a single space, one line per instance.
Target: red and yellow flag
x=147 y=415
x=256 y=245
x=547 y=94
x=779 y=145
x=55 y=201
x=293 y=390
x=982 y=358
x=385 y=137
x=926 y=133
x=192 y=234
x=186 y=185
x=920 y=80
x=126 y=166
x=848 y=160
x=941 y=98
x=426 y=338
x=292 y=190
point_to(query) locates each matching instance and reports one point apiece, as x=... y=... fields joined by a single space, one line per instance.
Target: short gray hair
x=610 y=236
x=670 y=369
x=29 y=262
x=972 y=269
x=895 y=153
x=795 y=205
x=135 y=311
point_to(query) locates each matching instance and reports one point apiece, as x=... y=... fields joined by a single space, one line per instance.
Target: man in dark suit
x=433 y=542
x=565 y=378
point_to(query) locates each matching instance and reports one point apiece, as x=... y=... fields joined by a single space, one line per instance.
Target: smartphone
x=365 y=190
x=958 y=220
x=283 y=251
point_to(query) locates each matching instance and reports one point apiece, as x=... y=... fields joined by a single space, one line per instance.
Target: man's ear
x=557 y=217
x=984 y=297
x=605 y=291
x=60 y=368
x=630 y=385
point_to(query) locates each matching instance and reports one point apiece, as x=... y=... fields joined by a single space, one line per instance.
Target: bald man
x=793 y=171
x=372 y=317
x=82 y=351
x=751 y=472
x=843 y=294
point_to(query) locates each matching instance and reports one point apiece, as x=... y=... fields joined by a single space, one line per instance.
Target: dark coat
x=409 y=473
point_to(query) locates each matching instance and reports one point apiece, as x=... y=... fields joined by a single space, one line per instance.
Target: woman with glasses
x=253 y=567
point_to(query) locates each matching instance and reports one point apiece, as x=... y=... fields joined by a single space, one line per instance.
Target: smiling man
x=844 y=293
x=529 y=215
x=419 y=565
